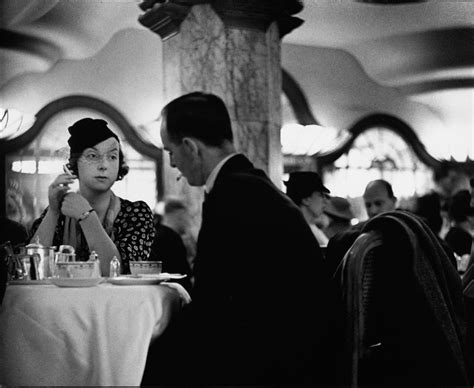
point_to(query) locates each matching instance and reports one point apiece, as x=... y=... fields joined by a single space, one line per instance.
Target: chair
x=360 y=300
x=403 y=307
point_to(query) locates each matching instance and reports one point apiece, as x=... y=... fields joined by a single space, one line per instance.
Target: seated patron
x=169 y=246
x=339 y=213
x=94 y=218
x=12 y=233
x=461 y=232
x=428 y=207
x=246 y=325
x=307 y=191
x=448 y=179
x=378 y=198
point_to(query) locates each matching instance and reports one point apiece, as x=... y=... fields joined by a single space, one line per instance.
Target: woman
x=94 y=219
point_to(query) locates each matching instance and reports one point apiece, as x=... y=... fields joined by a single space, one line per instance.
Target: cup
x=75 y=269
x=145 y=267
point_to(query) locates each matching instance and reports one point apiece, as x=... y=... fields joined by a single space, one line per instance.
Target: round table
x=82 y=336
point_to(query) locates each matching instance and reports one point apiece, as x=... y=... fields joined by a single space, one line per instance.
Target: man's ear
x=191 y=145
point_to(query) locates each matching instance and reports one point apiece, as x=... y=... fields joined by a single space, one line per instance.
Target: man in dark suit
x=258 y=313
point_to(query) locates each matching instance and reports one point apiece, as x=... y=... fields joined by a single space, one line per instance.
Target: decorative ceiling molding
x=260 y=14
x=386 y=121
x=437 y=85
x=419 y=56
x=297 y=100
x=16 y=41
x=164 y=17
x=81 y=101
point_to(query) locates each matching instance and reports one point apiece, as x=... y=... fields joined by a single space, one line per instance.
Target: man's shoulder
x=244 y=179
x=165 y=231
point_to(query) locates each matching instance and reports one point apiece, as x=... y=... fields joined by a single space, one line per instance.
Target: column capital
x=165 y=16
x=259 y=14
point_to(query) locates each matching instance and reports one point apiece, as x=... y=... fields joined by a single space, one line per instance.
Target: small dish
x=135 y=280
x=164 y=276
x=76 y=282
x=145 y=267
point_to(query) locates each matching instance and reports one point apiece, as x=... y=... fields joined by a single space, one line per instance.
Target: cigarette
x=67 y=170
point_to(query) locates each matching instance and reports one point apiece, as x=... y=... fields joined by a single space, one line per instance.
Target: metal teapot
x=46 y=255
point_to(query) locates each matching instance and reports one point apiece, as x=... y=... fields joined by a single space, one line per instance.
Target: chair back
x=360 y=296
x=403 y=308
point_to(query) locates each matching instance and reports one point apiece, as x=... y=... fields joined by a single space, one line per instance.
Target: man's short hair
x=200 y=115
x=385 y=184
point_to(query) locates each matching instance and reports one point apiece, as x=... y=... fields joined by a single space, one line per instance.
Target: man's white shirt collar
x=212 y=177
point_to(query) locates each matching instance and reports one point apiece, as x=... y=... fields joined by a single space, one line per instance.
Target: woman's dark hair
x=200 y=115
x=123 y=167
x=444 y=168
x=460 y=206
x=428 y=207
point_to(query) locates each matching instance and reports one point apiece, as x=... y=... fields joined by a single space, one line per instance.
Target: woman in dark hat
x=94 y=218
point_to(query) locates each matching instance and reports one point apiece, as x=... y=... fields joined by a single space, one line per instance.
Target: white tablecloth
x=81 y=336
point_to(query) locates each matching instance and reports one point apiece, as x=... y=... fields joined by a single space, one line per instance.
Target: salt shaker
x=114 y=267
x=94 y=257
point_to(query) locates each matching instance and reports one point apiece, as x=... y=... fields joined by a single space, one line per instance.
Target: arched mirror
x=31 y=167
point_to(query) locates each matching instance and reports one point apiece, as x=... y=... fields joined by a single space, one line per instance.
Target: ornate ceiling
x=350 y=60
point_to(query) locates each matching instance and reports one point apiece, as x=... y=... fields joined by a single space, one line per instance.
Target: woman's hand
x=74 y=205
x=58 y=189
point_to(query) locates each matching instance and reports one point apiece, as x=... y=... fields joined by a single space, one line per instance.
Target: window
x=378 y=153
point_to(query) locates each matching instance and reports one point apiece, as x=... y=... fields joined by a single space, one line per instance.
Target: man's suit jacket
x=259 y=314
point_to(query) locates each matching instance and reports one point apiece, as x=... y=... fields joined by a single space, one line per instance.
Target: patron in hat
x=339 y=213
x=94 y=218
x=306 y=189
x=461 y=214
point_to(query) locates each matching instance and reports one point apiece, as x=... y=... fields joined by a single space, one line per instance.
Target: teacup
x=145 y=267
x=75 y=269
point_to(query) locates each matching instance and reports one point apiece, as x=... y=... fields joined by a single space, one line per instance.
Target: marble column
x=231 y=49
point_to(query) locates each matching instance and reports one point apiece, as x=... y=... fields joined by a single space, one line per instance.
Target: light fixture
x=13 y=123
